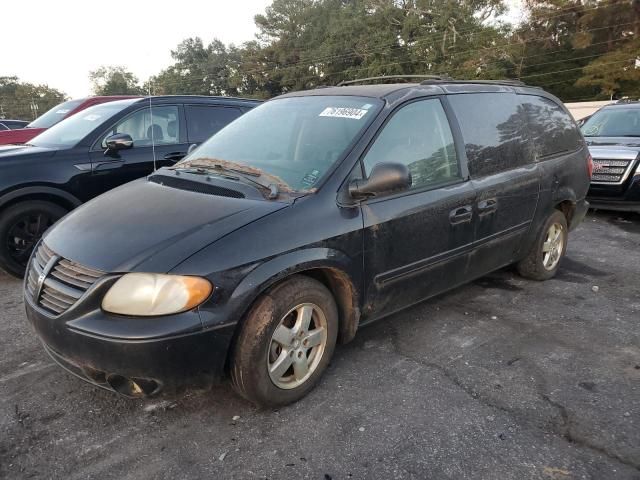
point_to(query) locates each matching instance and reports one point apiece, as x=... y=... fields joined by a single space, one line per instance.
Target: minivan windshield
x=295 y=140
x=70 y=131
x=56 y=114
x=613 y=122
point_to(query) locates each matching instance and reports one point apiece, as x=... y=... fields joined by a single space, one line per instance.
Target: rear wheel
x=21 y=227
x=285 y=343
x=544 y=258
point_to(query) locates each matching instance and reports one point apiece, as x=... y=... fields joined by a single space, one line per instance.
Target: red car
x=53 y=116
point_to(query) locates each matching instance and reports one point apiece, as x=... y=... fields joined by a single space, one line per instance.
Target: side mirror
x=119 y=141
x=385 y=177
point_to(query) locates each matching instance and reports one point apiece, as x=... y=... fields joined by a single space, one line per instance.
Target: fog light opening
x=132 y=387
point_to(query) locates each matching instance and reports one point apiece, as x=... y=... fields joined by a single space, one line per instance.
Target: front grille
x=610 y=171
x=64 y=281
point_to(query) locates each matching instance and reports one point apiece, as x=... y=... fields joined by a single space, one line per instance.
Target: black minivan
x=310 y=216
x=93 y=151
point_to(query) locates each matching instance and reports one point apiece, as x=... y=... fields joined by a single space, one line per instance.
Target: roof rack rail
x=386 y=77
x=627 y=100
x=513 y=83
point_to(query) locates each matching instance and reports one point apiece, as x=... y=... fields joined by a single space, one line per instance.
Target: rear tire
x=542 y=261
x=21 y=227
x=276 y=360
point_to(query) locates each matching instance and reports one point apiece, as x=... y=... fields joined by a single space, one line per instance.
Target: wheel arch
x=51 y=194
x=334 y=269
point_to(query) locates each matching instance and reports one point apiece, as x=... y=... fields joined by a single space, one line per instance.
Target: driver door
x=158 y=131
x=417 y=242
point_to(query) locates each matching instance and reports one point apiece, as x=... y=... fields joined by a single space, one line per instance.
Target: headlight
x=149 y=294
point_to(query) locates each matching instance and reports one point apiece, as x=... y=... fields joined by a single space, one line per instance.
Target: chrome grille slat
x=63 y=289
x=46 y=295
x=66 y=278
x=65 y=283
x=51 y=306
x=89 y=272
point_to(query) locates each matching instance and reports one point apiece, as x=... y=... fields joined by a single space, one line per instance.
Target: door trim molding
x=410 y=269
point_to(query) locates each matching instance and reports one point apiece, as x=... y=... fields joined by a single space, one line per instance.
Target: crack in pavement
x=562 y=430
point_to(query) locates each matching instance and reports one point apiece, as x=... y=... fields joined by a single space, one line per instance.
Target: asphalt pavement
x=503 y=378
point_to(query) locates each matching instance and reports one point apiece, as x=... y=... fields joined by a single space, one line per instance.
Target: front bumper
x=136 y=364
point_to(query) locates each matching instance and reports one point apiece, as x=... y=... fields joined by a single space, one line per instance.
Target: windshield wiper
x=272 y=188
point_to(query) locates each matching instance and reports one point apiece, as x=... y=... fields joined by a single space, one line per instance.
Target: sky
x=58 y=42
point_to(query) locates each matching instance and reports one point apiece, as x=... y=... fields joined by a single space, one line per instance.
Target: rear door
x=502 y=166
x=205 y=120
x=416 y=243
x=157 y=132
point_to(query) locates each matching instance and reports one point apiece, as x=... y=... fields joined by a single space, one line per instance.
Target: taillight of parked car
x=590 y=165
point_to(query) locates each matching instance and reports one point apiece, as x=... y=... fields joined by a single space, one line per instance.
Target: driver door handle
x=175 y=156
x=461 y=215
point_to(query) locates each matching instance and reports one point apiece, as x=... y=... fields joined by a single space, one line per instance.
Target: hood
x=145 y=226
x=20 y=135
x=631 y=142
x=13 y=151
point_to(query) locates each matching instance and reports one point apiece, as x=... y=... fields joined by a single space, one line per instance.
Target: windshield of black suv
x=613 y=122
x=70 y=131
x=54 y=115
x=292 y=141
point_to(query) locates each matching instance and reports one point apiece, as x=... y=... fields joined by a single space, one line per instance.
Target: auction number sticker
x=343 y=112
x=91 y=117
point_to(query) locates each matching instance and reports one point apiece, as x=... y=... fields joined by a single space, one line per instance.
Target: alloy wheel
x=297 y=346
x=553 y=246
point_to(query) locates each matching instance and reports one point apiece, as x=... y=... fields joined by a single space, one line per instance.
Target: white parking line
x=33 y=368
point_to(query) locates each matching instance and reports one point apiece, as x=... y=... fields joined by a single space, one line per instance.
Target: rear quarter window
x=494 y=131
x=552 y=129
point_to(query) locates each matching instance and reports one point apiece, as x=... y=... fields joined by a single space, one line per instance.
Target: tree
x=580 y=49
x=26 y=101
x=114 y=80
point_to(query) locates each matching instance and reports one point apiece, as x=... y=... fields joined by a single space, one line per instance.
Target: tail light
x=590 y=166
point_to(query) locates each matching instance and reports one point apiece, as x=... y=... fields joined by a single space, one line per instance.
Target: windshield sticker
x=343 y=112
x=366 y=106
x=92 y=118
x=310 y=178
x=62 y=111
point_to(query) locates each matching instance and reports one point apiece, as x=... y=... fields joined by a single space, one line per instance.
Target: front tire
x=542 y=261
x=21 y=227
x=285 y=342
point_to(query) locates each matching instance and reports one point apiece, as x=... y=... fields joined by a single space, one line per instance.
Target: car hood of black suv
x=17 y=151
x=148 y=225
x=631 y=142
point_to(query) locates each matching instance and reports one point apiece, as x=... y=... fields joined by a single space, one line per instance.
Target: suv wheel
x=285 y=343
x=21 y=226
x=550 y=246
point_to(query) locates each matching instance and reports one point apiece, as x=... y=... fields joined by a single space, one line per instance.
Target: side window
x=203 y=121
x=160 y=124
x=552 y=129
x=418 y=135
x=494 y=131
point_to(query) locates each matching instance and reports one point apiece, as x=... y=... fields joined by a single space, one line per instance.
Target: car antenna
x=153 y=140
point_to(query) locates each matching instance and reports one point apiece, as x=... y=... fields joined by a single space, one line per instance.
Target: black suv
x=613 y=136
x=312 y=215
x=89 y=153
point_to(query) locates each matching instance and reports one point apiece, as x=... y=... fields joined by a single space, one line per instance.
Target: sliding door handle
x=461 y=215
x=487 y=206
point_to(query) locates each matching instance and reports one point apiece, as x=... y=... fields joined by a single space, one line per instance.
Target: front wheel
x=21 y=227
x=285 y=342
x=550 y=246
